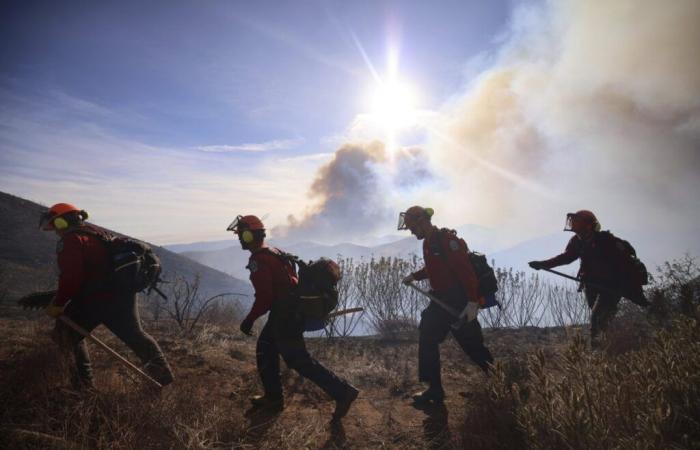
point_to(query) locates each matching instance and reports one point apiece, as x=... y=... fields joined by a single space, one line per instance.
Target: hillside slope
x=28 y=259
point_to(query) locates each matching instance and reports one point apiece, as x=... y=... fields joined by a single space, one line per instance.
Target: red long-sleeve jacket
x=83 y=263
x=447 y=265
x=601 y=259
x=272 y=278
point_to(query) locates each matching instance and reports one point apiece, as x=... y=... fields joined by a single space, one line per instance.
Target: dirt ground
x=208 y=406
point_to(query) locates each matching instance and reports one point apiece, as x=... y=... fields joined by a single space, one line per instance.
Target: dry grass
x=207 y=406
x=642 y=398
x=548 y=391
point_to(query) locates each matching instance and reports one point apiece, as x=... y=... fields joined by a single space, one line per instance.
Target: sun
x=393 y=105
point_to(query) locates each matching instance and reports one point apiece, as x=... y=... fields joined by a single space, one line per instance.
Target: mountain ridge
x=28 y=259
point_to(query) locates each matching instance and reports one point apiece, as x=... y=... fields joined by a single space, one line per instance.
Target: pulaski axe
x=39 y=300
x=460 y=316
x=109 y=350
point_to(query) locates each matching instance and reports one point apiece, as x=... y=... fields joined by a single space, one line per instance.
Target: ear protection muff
x=60 y=223
x=247 y=236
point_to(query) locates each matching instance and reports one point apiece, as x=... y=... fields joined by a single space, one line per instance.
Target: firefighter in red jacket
x=274 y=279
x=605 y=271
x=453 y=280
x=82 y=295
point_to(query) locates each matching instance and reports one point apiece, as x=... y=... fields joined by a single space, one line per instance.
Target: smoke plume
x=591 y=104
x=350 y=194
x=587 y=104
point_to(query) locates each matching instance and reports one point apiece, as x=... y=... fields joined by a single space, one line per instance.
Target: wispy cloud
x=313 y=157
x=277 y=144
x=154 y=192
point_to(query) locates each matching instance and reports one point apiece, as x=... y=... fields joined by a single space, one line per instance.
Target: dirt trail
x=208 y=405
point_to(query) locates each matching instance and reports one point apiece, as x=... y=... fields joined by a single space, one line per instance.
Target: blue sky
x=167 y=119
x=206 y=73
x=100 y=95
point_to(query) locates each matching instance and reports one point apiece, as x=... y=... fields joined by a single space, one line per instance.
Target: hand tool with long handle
x=116 y=355
x=459 y=315
x=344 y=311
x=593 y=285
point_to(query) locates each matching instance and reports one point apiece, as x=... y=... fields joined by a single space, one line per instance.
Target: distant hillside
x=652 y=248
x=203 y=246
x=28 y=258
x=232 y=259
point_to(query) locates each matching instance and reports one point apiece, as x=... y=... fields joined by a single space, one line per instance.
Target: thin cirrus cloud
x=277 y=144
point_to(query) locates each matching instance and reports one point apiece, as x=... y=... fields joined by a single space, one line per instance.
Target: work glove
x=408 y=280
x=246 y=326
x=472 y=311
x=537 y=265
x=54 y=310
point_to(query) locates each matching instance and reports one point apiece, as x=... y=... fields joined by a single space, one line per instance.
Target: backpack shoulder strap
x=606 y=234
x=89 y=231
x=287 y=258
x=438 y=245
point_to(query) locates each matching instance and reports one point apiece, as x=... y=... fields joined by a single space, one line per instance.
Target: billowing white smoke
x=591 y=104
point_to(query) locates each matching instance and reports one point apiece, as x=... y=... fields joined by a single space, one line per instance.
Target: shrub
x=385 y=299
x=646 y=398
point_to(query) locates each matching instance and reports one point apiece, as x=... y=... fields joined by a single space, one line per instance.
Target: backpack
x=635 y=269
x=133 y=266
x=488 y=283
x=316 y=291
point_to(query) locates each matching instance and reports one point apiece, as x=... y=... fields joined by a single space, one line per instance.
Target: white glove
x=408 y=280
x=472 y=311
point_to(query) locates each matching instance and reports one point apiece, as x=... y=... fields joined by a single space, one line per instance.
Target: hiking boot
x=342 y=406
x=267 y=401
x=435 y=395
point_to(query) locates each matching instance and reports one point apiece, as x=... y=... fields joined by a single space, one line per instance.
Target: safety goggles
x=402 y=220
x=570 y=218
x=235 y=224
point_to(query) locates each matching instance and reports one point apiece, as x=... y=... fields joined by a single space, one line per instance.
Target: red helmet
x=59 y=209
x=251 y=223
x=583 y=215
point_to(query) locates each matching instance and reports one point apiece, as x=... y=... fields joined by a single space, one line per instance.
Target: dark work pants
x=603 y=308
x=120 y=315
x=434 y=325
x=290 y=345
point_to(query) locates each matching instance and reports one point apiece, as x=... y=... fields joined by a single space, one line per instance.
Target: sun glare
x=393 y=107
x=393 y=104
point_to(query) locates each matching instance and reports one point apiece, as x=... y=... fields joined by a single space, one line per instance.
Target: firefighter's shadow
x=435 y=425
x=260 y=420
